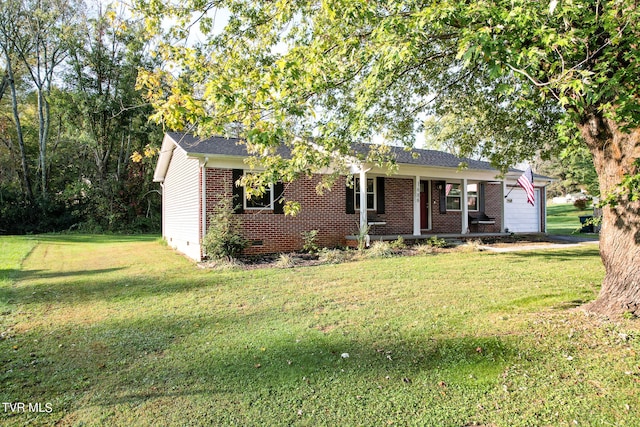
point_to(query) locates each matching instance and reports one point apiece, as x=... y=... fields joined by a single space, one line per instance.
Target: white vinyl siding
x=181 y=199
x=520 y=216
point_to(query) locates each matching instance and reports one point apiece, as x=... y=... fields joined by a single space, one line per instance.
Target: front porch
x=418 y=206
x=413 y=237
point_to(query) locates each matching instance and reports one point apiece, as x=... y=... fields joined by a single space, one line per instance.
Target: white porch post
x=363 y=198
x=465 y=208
x=416 y=207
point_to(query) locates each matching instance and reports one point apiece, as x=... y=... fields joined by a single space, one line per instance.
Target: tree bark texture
x=43 y=138
x=614 y=153
x=26 y=180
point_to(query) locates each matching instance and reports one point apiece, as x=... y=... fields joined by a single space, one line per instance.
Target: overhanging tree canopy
x=342 y=71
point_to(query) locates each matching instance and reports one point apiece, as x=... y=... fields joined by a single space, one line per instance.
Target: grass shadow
x=559 y=254
x=35 y=286
x=269 y=377
x=73 y=238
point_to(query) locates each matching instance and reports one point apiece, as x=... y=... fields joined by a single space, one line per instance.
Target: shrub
x=285 y=261
x=424 y=249
x=398 y=244
x=334 y=256
x=310 y=241
x=581 y=204
x=470 y=246
x=379 y=249
x=435 y=242
x=363 y=237
x=227 y=264
x=224 y=237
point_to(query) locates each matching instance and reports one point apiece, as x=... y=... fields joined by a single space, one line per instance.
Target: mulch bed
x=305 y=259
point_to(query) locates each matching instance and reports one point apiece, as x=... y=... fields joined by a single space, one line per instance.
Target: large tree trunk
x=614 y=153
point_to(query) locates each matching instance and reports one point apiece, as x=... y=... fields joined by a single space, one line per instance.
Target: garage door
x=520 y=216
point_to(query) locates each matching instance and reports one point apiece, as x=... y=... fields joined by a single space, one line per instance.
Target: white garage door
x=520 y=216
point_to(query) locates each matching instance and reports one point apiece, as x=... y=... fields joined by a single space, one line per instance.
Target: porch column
x=363 y=198
x=465 y=207
x=416 y=207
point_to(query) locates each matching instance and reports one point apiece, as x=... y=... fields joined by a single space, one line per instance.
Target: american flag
x=526 y=182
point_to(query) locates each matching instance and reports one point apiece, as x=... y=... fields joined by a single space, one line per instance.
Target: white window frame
x=356 y=193
x=270 y=190
x=454 y=184
x=469 y=195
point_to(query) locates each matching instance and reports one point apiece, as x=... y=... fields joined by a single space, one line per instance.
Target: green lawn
x=123 y=331
x=565 y=219
x=13 y=250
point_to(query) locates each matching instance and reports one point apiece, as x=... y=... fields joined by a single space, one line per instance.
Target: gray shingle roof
x=232 y=147
x=421 y=157
x=216 y=145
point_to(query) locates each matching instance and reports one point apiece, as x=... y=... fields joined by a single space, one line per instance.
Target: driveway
x=554 y=242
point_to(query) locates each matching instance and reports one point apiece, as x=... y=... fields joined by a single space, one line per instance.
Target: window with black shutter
x=371 y=194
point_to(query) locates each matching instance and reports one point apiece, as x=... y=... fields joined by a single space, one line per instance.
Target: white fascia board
x=219 y=161
x=355 y=166
x=166 y=152
x=512 y=179
x=411 y=171
x=237 y=162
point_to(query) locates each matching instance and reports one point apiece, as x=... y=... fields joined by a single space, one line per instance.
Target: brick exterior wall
x=398 y=195
x=451 y=221
x=493 y=207
x=325 y=213
x=272 y=233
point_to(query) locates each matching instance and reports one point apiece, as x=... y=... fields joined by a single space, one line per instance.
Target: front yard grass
x=13 y=251
x=123 y=331
x=565 y=219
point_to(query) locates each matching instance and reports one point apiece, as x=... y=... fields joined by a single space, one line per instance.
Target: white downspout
x=204 y=199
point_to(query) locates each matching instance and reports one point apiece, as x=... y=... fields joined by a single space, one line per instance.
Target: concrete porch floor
x=391 y=237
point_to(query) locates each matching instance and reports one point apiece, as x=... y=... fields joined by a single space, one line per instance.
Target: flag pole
x=507 y=195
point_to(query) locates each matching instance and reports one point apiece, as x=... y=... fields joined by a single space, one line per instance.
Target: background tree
x=474 y=117
x=106 y=115
x=74 y=109
x=45 y=29
x=574 y=170
x=343 y=71
x=10 y=37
